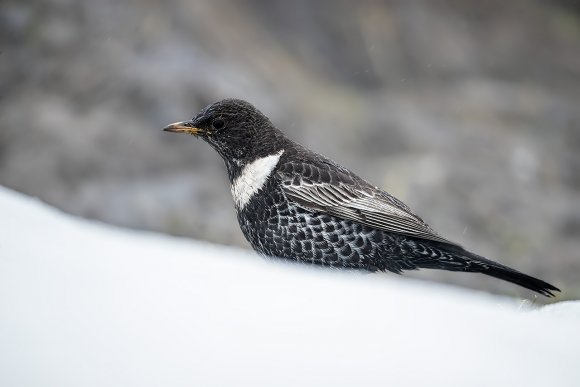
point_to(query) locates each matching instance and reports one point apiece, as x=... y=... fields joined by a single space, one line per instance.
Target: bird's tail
x=463 y=260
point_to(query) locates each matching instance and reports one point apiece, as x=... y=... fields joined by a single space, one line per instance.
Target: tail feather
x=524 y=280
x=463 y=260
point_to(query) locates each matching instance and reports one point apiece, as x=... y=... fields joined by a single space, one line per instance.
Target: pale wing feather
x=374 y=209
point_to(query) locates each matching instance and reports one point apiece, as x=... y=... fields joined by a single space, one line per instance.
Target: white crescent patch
x=253 y=178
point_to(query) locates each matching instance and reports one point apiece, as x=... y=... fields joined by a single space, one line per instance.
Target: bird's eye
x=218 y=123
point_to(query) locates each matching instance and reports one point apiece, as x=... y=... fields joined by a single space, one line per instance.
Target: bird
x=295 y=204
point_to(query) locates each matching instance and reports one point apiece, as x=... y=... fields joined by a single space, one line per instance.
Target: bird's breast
x=253 y=178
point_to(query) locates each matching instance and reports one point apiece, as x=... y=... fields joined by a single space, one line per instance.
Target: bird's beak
x=182 y=127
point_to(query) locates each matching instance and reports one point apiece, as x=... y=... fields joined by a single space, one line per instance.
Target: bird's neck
x=248 y=180
x=258 y=154
x=250 y=167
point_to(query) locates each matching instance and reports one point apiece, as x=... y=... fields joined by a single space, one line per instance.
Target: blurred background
x=469 y=111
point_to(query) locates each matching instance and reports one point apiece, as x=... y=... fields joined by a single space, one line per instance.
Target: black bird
x=295 y=204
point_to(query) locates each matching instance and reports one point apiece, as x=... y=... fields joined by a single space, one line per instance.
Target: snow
x=86 y=304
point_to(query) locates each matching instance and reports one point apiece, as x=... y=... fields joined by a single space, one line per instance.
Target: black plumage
x=293 y=203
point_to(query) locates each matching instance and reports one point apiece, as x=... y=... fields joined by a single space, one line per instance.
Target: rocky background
x=467 y=110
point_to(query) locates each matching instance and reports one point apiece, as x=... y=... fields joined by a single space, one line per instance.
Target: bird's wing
x=338 y=192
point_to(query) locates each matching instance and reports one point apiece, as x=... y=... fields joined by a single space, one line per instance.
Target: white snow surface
x=86 y=304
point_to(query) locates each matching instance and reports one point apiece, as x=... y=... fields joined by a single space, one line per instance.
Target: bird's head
x=238 y=131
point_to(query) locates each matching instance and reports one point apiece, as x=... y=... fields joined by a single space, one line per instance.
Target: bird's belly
x=278 y=228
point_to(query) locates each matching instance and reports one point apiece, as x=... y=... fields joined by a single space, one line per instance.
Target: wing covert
x=345 y=195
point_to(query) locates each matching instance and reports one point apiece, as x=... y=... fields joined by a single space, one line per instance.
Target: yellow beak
x=182 y=127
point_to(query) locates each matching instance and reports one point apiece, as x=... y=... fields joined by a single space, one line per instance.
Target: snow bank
x=84 y=304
